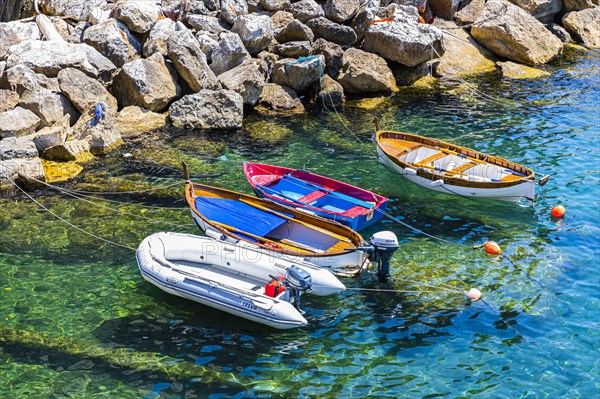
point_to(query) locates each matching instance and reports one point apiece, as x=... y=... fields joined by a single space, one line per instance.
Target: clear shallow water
x=77 y=320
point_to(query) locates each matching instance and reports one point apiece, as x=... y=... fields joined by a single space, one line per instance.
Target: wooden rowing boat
x=332 y=199
x=248 y=220
x=452 y=169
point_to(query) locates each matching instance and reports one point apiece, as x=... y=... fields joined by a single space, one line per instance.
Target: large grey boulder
x=18 y=122
x=231 y=9
x=21 y=79
x=103 y=136
x=158 y=36
x=207 y=24
x=83 y=91
x=133 y=121
x=51 y=136
x=559 y=32
x=365 y=15
x=584 y=25
x=78 y=10
x=333 y=54
x=275 y=5
x=68 y=151
x=8 y=100
x=230 y=53
x=305 y=10
x=331 y=31
x=329 y=93
x=147 y=83
x=279 y=99
x=281 y=19
x=341 y=10
x=256 y=31
x=364 y=72
x=112 y=39
x=246 y=80
x=510 y=32
x=444 y=8
x=578 y=5
x=190 y=61
x=293 y=49
x=468 y=11
x=138 y=15
x=542 y=10
x=17 y=147
x=299 y=75
x=208 y=45
x=294 y=31
x=208 y=109
x=12 y=33
x=49 y=58
x=49 y=106
x=407 y=43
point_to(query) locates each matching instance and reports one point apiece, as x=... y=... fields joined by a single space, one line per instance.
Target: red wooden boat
x=342 y=202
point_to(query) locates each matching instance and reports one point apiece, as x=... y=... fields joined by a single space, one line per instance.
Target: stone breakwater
x=198 y=63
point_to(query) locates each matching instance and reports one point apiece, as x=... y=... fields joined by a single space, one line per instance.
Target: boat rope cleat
x=297 y=282
x=383 y=246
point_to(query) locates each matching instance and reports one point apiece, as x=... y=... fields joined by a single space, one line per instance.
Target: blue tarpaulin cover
x=239 y=215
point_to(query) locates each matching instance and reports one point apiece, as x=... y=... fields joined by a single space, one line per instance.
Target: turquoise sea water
x=78 y=321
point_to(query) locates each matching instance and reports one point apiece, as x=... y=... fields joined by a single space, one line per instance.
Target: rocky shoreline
x=79 y=77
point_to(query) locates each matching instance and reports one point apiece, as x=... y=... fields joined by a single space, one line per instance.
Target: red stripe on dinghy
x=310 y=197
x=356 y=211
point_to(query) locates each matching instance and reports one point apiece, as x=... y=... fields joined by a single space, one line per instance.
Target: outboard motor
x=297 y=281
x=383 y=246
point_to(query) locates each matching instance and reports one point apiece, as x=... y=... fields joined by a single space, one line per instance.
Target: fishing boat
x=248 y=283
x=286 y=232
x=349 y=205
x=452 y=169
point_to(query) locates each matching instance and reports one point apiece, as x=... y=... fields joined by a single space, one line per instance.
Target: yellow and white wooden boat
x=452 y=169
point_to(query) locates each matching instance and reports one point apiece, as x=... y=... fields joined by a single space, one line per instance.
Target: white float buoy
x=473 y=294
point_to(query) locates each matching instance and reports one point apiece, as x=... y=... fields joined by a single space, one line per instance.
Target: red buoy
x=492 y=248
x=558 y=211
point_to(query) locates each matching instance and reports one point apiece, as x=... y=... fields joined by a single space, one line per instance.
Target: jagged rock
x=133 y=121
x=329 y=93
x=68 y=151
x=407 y=14
x=18 y=122
x=333 y=54
x=331 y=31
x=463 y=56
x=281 y=19
x=266 y=61
x=78 y=10
x=254 y=7
x=469 y=11
x=296 y=74
x=584 y=25
x=11 y=169
x=280 y=99
x=147 y=83
x=98 y=15
x=8 y=100
x=14 y=32
x=77 y=32
x=365 y=15
x=51 y=136
x=190 y=61
x=542 y=10
x=114 y=41
x=208 y=109
x=407 y=76
x=510 y=32
x=83 y=91
x=49 y=106
x=256 y=31
x=364 y=72
x=275 y=5
x=578 y=5
x=293 y=49
x=305 y=10
x=49 y=58
x=231 y=9
x=559 y=32
x=17 y=148
x=293 y=32
x=230 y=53
x=341 y=10
x=246 y=80
x=21 y=79
x=517 y=71
x=207 y=23
x=138 y=15
x=406 y=43
x=207 y=45
x=193 y=7
x=158 y=36
x=103 y=136
x=444 y=8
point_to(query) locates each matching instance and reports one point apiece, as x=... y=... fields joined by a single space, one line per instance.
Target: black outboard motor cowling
x=297 y=281
x=384 y=244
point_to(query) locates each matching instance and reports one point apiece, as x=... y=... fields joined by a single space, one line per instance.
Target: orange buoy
x=492 y=248
x=558 y=211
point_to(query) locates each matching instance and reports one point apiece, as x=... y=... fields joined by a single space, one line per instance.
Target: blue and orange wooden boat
x=332 y=199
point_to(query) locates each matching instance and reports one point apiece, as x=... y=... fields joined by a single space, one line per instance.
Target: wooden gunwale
x=320 y=224
x=472 y=155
